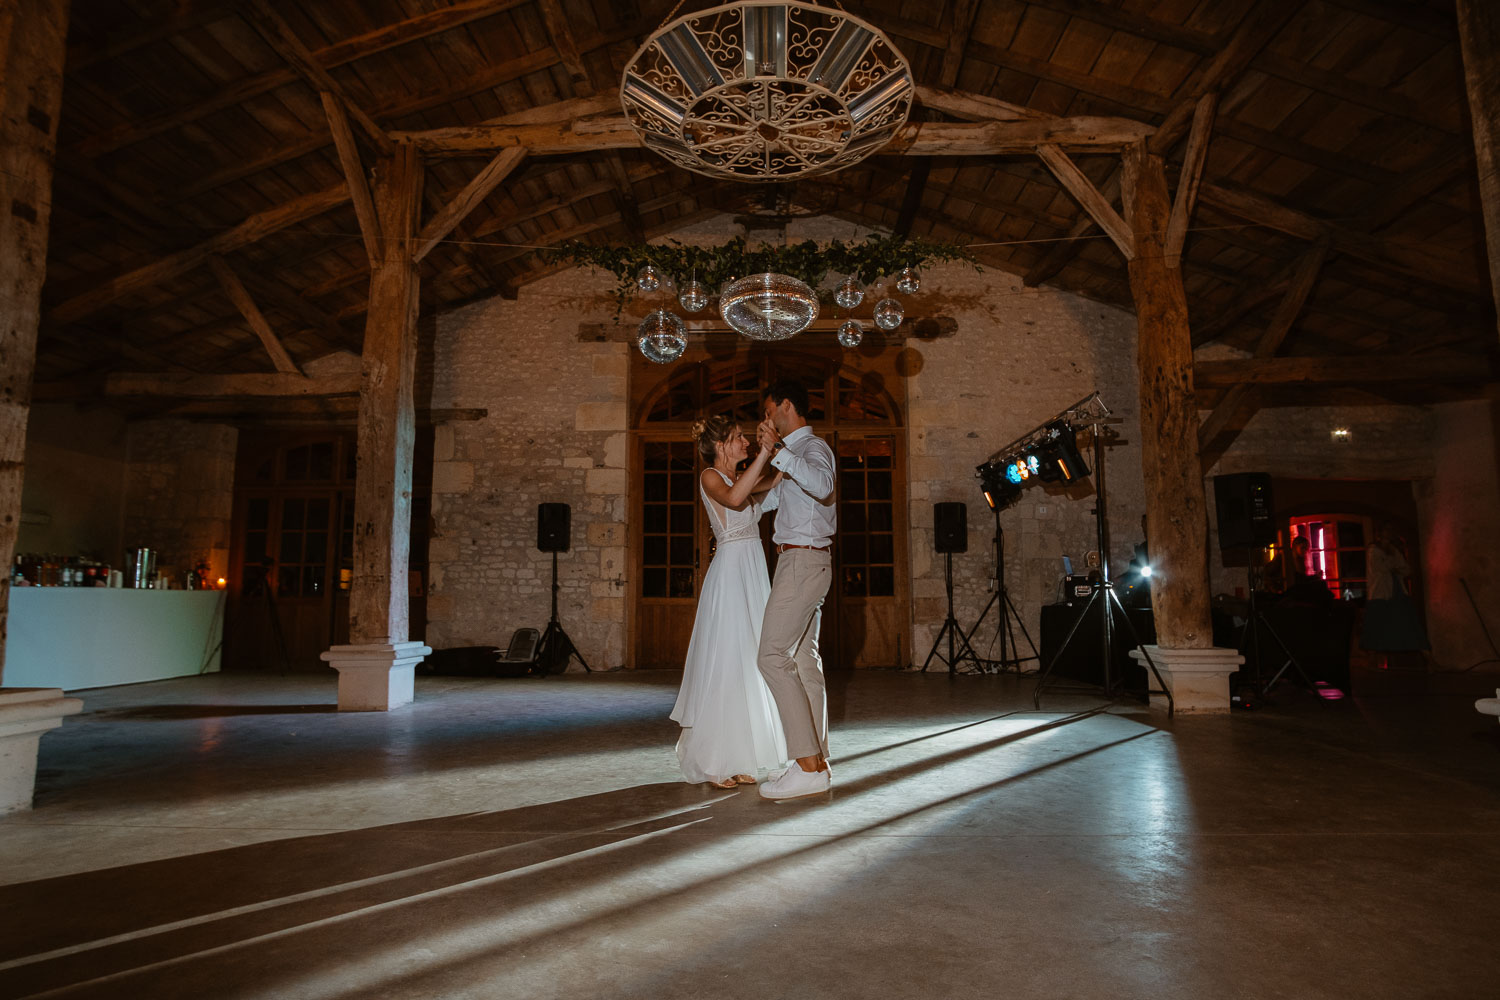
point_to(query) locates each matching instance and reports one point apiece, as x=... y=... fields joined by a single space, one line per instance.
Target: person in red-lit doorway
x=806 y=518
x=1392 y=622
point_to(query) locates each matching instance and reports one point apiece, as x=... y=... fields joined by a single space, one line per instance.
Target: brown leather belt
x=816 y=548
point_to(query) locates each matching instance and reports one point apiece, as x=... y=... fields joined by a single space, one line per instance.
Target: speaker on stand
x=950 y=534
x=1247 y=524
x=554 y=535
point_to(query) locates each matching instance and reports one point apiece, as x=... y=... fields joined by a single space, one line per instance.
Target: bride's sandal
x=743 y=779
x=726 y=783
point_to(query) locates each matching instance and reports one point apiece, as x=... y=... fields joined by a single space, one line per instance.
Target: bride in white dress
x=730 y=726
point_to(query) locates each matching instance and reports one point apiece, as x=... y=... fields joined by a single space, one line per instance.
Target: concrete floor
x=232 y=836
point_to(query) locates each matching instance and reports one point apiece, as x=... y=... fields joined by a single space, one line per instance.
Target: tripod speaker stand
x=1010 y=658
x=1251 y=641
x=553 y=534
x=1104 y=602
x=950 y=534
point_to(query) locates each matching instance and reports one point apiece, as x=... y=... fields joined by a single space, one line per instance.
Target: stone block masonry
x=555 y=433
x=179 y=493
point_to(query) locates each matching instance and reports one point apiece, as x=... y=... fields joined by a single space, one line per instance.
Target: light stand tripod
x=1105 y=599
x=1250 y=635
x=1005 y=628
x=556 y=648
x=958 y=643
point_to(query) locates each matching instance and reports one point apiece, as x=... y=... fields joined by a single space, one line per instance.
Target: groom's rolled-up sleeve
x=813 y=473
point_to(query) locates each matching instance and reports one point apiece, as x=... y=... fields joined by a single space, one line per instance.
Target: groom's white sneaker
x=794 y=783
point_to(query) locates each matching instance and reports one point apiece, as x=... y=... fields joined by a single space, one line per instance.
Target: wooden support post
x=376 y=668
x=1176 y=520
x=33 y=37
x=1479 y=40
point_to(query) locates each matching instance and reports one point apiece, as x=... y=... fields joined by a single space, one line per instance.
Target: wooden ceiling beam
x=245 y=303
x=185 y=16
x=975 y=107
x=624 y=197
x=914 y=139
x=566 y=46
x=1088 y=196
x=1422 y=263
x=1358 y=369
x=280 y=36
x=958 y=17
x=354 y=171
x=256 y=227
x=195 y=385
x=457 y=209
x=1192 y=173
x=911 y=202
x=1140 y=25
x=370 y=43
x=1250 y=36
x=1240 y=401
x=497 y=223
x=1303 y=280
x=1346 y=88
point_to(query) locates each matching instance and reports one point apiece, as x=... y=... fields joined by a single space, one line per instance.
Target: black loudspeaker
x=1246 y=516
x=553 y=526
x=950 y=527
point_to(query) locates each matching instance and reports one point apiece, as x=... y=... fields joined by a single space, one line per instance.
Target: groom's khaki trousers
x=788 y=656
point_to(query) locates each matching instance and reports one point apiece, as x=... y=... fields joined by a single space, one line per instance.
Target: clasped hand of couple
x=766 y=436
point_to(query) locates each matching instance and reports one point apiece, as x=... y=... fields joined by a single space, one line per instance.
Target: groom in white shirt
x=805 y=522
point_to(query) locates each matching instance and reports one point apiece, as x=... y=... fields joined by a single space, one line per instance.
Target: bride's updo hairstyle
x=712 y=431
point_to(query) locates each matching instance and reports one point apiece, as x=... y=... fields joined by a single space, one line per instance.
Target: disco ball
x=909 y=281
x=849 y=293
x=851 y=333
x=694 y=296
x=768 y=306
x=888 y=314
x=648 y=279
x=662 y=337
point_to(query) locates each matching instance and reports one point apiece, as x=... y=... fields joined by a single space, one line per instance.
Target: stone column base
x=1197 y=678
x=376 y=677
x=25 y=714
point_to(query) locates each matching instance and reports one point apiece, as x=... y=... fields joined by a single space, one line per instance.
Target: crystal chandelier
x=759 y=91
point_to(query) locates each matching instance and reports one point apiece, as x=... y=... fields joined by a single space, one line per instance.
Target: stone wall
x=179 y=493
x=556 y=432
x=1460 y=514
x=75 y=477
x=1020 y=355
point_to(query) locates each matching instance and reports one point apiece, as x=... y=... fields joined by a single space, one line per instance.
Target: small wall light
x=1340 y=434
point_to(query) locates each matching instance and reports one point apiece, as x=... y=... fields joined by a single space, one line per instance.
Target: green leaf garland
x=870 y=259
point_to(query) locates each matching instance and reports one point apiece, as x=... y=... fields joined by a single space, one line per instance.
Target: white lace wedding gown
x=729 y=722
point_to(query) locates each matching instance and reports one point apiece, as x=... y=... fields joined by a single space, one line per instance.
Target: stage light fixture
x=999 y=491
x=1061 y=462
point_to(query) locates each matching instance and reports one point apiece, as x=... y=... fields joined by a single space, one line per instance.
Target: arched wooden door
x=866 y=613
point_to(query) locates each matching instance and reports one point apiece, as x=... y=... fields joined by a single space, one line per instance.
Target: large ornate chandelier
x=760 y=91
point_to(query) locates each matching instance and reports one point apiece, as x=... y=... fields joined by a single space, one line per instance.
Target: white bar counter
x=84 y=637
